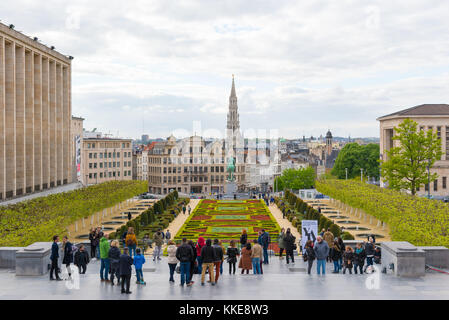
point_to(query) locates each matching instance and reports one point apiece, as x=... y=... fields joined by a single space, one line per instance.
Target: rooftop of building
x=10 y=31
x=421 y=110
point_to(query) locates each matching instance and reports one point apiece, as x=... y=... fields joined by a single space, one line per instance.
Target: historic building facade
x=35 y=115
x=429 y=117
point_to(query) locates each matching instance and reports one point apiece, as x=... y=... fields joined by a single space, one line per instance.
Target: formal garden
x=420 y=221
x=39 y=219
x=226 y=219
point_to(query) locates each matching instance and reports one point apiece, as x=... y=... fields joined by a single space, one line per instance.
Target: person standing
x=265 y=242
x=370 y=250
x=131 y=242
x=335 y=254
x=54 y=257
x=184 y=209
x=167 y=236
x=245 y=262
x=328 y=236
x=68 y=254
x=348 y=259
x=158 y=241
x=114 y=261
x=359 y=258
x=172 y=260
x=218 y=259
x=256 y=256
x=232 y=253
x=281 y=242
x=125 y=270
x=189 y=209
x=243 y=239
x=129 y=216
x=321 y=249
x=199 y=246
x=94 y=242
x=81 y=259
x=343 y=250
x=208 y=258
x=289 y=240
x=309 y=255
x=193 y=268
x=104 y=256
x=185 y=255
x=139 y=261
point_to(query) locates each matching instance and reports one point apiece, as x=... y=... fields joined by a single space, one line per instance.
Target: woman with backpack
x=68 y=254
x=309 y=255
x=289 y=240
x=114 y=259
x=232 y=253
x=281 y=242
x=131 y=242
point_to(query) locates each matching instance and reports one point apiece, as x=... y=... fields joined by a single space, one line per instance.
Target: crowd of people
x=207 y=256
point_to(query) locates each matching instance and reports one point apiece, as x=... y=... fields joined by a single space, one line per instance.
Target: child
x=139 y=260
x=377 y=256
x=348 y=258
x=81 y=259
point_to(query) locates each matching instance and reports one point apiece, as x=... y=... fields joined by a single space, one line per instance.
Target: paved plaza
x=278 y=283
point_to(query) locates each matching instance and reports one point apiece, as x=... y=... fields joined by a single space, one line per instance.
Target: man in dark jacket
x=208 y=258
x=81 y=259
x=370 y=250
x=114 y=260
x=265 y=242
x=218 y=258
x=54 y=259
x=185 y=254
x=125 y=270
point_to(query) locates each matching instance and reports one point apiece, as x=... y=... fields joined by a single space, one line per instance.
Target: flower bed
x=225 y=220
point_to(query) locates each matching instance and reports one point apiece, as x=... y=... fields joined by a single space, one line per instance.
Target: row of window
x=180 y=160
x=110 y=155
x=435 y=185
x=93 y=165
x=109 y=174
x=93 y=145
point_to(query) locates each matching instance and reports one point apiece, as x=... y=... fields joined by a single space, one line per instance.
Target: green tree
x=406 y=164
x=355 y=157
x=302 y=178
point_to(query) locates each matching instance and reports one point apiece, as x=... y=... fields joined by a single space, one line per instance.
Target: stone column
x=52 y=125
x=37 y=122
x=66 y=116
x=29 y=121
x=59 y=126
x=20 y=119
x=2 y=121
x=45 y=123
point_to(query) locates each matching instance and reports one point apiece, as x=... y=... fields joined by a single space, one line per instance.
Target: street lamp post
x=346 y=171
x=361 y=174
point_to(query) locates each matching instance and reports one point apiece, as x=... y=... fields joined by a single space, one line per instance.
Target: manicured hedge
x=419 y=221
x=39 y=219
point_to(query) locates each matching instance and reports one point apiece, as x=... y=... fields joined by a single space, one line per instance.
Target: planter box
x=34 y=260
x=8 y=257
x=437 y=256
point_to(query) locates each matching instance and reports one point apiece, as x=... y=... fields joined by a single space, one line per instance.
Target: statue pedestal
x=230 y=190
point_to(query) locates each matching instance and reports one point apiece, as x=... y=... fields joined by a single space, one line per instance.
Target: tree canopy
x=355 y=157
x=302 y=178
x=406 y=165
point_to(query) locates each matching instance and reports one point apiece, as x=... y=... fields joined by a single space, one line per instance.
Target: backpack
x=74 y=250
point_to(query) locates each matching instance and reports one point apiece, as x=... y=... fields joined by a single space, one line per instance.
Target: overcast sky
x=300 y=67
